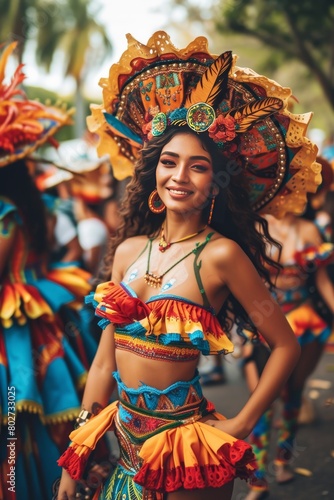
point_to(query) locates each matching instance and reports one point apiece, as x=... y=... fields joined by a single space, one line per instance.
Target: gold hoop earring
x=211 y=210
x=155 y=204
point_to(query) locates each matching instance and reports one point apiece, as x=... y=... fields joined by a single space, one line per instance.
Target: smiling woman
x=184 y=177
x=188 y=261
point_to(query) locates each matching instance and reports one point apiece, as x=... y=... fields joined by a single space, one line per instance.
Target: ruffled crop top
x=308 y=260
x=302 y=267
x=165 y=327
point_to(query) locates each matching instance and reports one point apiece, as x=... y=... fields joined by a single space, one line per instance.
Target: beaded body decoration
x=155 y=280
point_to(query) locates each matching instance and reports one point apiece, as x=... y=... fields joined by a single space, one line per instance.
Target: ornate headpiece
x=157 y=85
x=24 y=124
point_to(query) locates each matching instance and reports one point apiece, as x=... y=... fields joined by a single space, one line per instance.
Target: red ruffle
x=241 y=456
x=84 y=440
x=74 y=464
x=166 y=315
x=236 y=460
x=117 y=306
x=315 y=256
x=193 y=456
x=196 y=477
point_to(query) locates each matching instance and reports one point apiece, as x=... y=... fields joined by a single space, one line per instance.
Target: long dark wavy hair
x=17 y=185
x=232 y=217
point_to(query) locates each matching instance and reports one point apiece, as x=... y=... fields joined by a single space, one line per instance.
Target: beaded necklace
x=155 y=280
x=164 y=245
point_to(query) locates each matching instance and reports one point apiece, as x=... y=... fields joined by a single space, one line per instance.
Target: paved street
x=315 y=442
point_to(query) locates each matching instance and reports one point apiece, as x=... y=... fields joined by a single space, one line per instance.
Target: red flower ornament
x=147 y=130
x=223 y=129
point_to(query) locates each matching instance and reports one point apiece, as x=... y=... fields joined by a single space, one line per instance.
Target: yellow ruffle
x=305 y=170
x=304 y=318
x=170 y=319
x=191 y=456
x=73 y=278
x=219 y=456
x=20 y=301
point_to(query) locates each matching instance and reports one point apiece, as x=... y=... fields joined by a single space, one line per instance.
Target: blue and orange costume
x=45 y=352
x=164 y=445
x=308 y=326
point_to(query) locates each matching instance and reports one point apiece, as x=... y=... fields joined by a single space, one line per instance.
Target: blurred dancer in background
x=304 y=257
x=83 y=183
x=44 y=355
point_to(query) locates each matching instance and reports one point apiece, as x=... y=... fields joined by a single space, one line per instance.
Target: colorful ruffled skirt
x=308 y=325
x=163 y=444
x=46 y=348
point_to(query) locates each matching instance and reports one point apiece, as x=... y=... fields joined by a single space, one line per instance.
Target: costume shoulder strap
x=197 y=267
x=149 y=242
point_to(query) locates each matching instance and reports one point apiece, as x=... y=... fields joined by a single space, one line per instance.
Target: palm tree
x=15 y=23
x=79 y=41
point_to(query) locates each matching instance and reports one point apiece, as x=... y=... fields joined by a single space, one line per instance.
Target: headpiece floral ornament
x=156 y=85
x=24 y=124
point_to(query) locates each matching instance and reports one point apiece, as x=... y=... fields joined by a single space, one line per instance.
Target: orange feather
x=246 y=115
x=212 y=86
x=3 y=59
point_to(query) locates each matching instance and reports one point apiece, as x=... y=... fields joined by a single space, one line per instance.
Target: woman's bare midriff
x=136 y=370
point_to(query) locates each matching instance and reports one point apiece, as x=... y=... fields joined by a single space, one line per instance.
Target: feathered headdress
x=24 y=124
x=156 y=85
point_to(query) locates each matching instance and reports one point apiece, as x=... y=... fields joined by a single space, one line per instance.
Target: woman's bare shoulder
x=224 y=251
x=128 y=250
x=227 y=261
x=131 y=246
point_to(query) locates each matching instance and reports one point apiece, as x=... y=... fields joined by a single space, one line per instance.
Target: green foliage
x=283 y=24
x=15 y=25
x=295 y=31
x=44 y=96
x=65 y=32
x=291 y=42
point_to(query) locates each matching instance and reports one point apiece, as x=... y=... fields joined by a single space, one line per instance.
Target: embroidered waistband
x=176 y=395
x=146 y=410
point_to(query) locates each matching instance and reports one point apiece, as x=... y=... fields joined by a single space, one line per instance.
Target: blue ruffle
x=7 y=207
x=177 y=393
x=58 y=391
x=55 y=295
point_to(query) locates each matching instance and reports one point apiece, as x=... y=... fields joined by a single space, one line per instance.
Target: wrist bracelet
x=82 y=418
